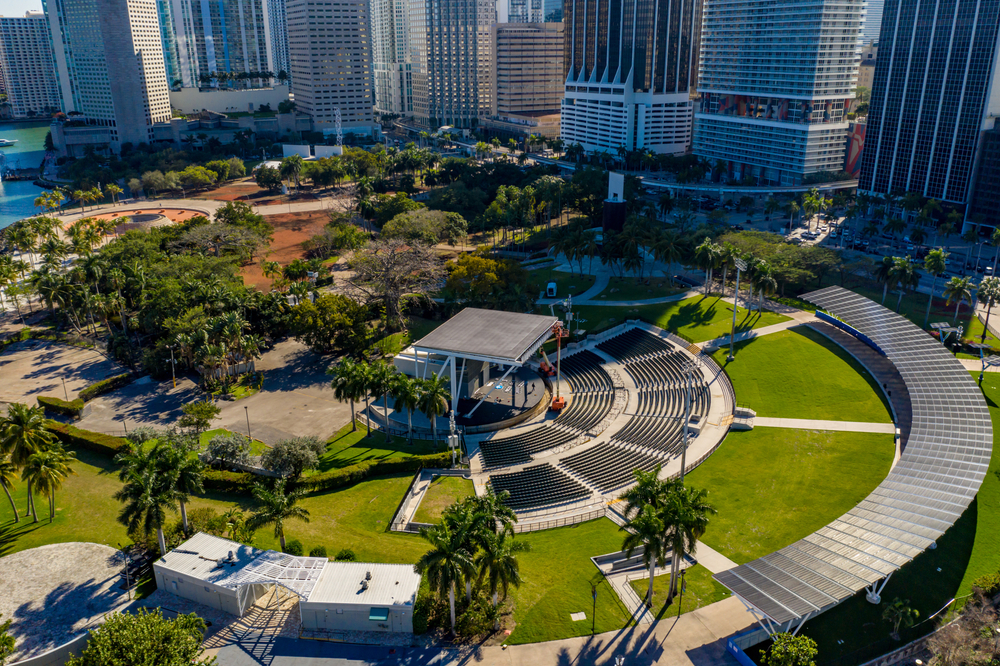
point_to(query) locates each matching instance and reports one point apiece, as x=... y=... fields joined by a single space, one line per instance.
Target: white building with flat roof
x=355 y=596
x=26 y=67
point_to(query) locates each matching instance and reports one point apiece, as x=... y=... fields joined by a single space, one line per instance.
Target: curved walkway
x=935 y=479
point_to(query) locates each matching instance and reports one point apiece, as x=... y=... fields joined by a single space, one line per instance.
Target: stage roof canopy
x=505 y=337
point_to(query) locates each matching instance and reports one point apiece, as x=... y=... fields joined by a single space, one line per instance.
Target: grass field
x=557 y=575
x=773 y=486
x=800 y=374
x=700 y=590
x=971 y=548
x=442 y=493
x=348 y=448
x=695 y=319
x=630 y=289
x=257 y=447
x=567 y=284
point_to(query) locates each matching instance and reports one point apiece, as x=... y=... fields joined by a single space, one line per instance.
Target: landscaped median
x=74 y=408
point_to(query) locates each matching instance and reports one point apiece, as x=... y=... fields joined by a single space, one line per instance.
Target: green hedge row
x=85 y=439
x=20 y=336
x=105 y=386
x=60 y=406
x=989 y=583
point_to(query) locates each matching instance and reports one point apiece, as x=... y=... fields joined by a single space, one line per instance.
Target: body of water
x=17 y=197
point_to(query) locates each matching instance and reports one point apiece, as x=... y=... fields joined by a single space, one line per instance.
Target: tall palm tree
x=646 y=530
x=884 y=275
x=904 y=277
x=989 y=293
x=956 y=290
x=434 y=399
x=497 y=563
x=23 y=434
x=406 y=395
x=8 y=474
x=349 y=384
x=184 y=472
x=446 y=564
x=935 y=263
x=686 y=520
x=146 y=495
x=46 y=471
x=380 y=381
x=276 y=507
x=491 y=514
x=707 y=254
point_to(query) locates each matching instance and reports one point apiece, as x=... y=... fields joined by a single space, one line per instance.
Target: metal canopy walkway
x=934 y=481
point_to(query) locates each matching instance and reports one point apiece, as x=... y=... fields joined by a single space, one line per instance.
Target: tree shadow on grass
x=11 y=532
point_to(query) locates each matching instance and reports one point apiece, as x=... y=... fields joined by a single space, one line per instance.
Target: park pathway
x=818 y=424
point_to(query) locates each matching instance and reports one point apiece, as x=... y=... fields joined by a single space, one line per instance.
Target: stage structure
x=470 y=344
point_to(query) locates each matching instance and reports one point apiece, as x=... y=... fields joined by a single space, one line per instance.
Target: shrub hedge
x=105 y=386
x=345 y=476
x=60 y=406
x=989 y=584
x=85 y=439
x=20 y=336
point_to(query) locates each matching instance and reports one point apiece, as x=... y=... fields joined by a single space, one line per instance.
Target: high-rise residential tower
x=26 y=67
x=630 y=66
x=451 y=59
x=391 y=56
x=775 y=80
x=109 y=64
x=872 y=26
x=534 y=11
x=277 y=36
x=936 y=88
x=330 y=51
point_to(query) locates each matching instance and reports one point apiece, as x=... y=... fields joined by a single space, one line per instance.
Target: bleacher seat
x=607 y=467
x=538 y=486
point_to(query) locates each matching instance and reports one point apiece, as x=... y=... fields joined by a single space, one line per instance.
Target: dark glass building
x=933 y=87
x=985 y=205
x=630 y=66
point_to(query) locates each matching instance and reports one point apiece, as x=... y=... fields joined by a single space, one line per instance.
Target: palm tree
x=146 y=495
x=646 y=530
x=291 y=167
x=434 y=399
x=497 y=563
x=904 y=277
x=349 y=384
x=8 y=474
x=185 y=474
x=958 y=289
x=446 y=564
x=884 y=275
x=989 y=293
x=46 y=471
x=380 y=381
x=113 y=191
x=406 y=395
x=900 y=614
x=685 y=521
x=707 y=254
x=935 y=263
x=276 y=507
x=23 y=434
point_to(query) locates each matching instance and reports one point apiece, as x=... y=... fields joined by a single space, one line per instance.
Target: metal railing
x=990 y=328
x=399 y=521
x=560 y=522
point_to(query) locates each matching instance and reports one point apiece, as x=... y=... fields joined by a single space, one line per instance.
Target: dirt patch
x=247 y=190
x=290 y=231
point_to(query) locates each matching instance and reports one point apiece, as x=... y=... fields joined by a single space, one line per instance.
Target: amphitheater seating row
x=662 y=370
x=653 y=432
x=586 y=410
x=634 y=343
x=670 y=401
x=584 y=372
x=538 y=486
x=518 y=449
x=607 y=467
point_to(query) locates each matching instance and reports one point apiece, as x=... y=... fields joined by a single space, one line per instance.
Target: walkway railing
x=560 y=522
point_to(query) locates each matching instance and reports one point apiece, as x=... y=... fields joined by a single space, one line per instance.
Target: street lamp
x=741 y=266
x=173 y=367
x=246 y=410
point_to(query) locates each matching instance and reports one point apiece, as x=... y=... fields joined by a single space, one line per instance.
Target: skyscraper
x=27 y=72
x=391 y=56
x=109 y=64
x=630 y=66
x=775 y=80
x=277 y=36
x=534 y=11
x=872 y=26
x=451 y=58
x=936 y=84
x=527 y=79
x=330 y=51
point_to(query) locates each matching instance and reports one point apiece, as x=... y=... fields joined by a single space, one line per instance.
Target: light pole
x=740 y=267
x=687 y=418
x=173 y=367
x=593 y=615
x=128 y=583
x=246 y=410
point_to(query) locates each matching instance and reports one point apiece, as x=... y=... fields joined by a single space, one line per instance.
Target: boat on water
x=7 y=142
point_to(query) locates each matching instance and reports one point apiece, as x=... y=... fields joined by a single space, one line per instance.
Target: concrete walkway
x=817 y=424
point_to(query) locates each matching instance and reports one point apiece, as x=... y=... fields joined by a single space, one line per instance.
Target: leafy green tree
x=7 y=642
x=388 y=207
x=198 y=416
x=427 y=226
x=291 y=457
x=8 y=475
x=291 y=167
x=330 y=323
x=276 y=507
x=146 y=493
x=231 y=447
x=268 y=178
x=789 y=650
x=145 y=638
x=989 y=293
x=900 y=614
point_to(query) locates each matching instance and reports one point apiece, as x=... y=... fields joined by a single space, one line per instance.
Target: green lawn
x=257 y=447
x=348 y=448
x=567 y=284
x=773 y=486
x=630 y=289
x=700 y=590
x=968 y=550
x=442 y=493
x=394 y=343
x=695 y=319
x=557 y=575
x=800 y=374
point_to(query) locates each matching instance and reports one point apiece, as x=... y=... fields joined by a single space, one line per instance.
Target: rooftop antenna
x=340 y=133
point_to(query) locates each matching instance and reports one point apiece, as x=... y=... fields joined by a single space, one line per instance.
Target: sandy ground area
x=290 y=231
x=36 y=367
x=54 y=593
x=171 y=214
x=247 y=190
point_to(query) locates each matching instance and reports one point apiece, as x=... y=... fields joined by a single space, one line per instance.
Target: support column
x=874 y=595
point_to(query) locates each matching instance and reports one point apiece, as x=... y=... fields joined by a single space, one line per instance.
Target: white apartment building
x=451 y=59
x=330 y=50
x=775 y=81
x=111 y=75
x=277 y=36
x=629 y=75
x=27 y=72
x=391 y=56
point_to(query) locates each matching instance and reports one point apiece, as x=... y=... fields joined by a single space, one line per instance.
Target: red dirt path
x=290 y=230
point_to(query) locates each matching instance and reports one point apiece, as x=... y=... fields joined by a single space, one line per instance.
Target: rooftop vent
x=364 y=585
x=368 y=575
x=232 y=557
